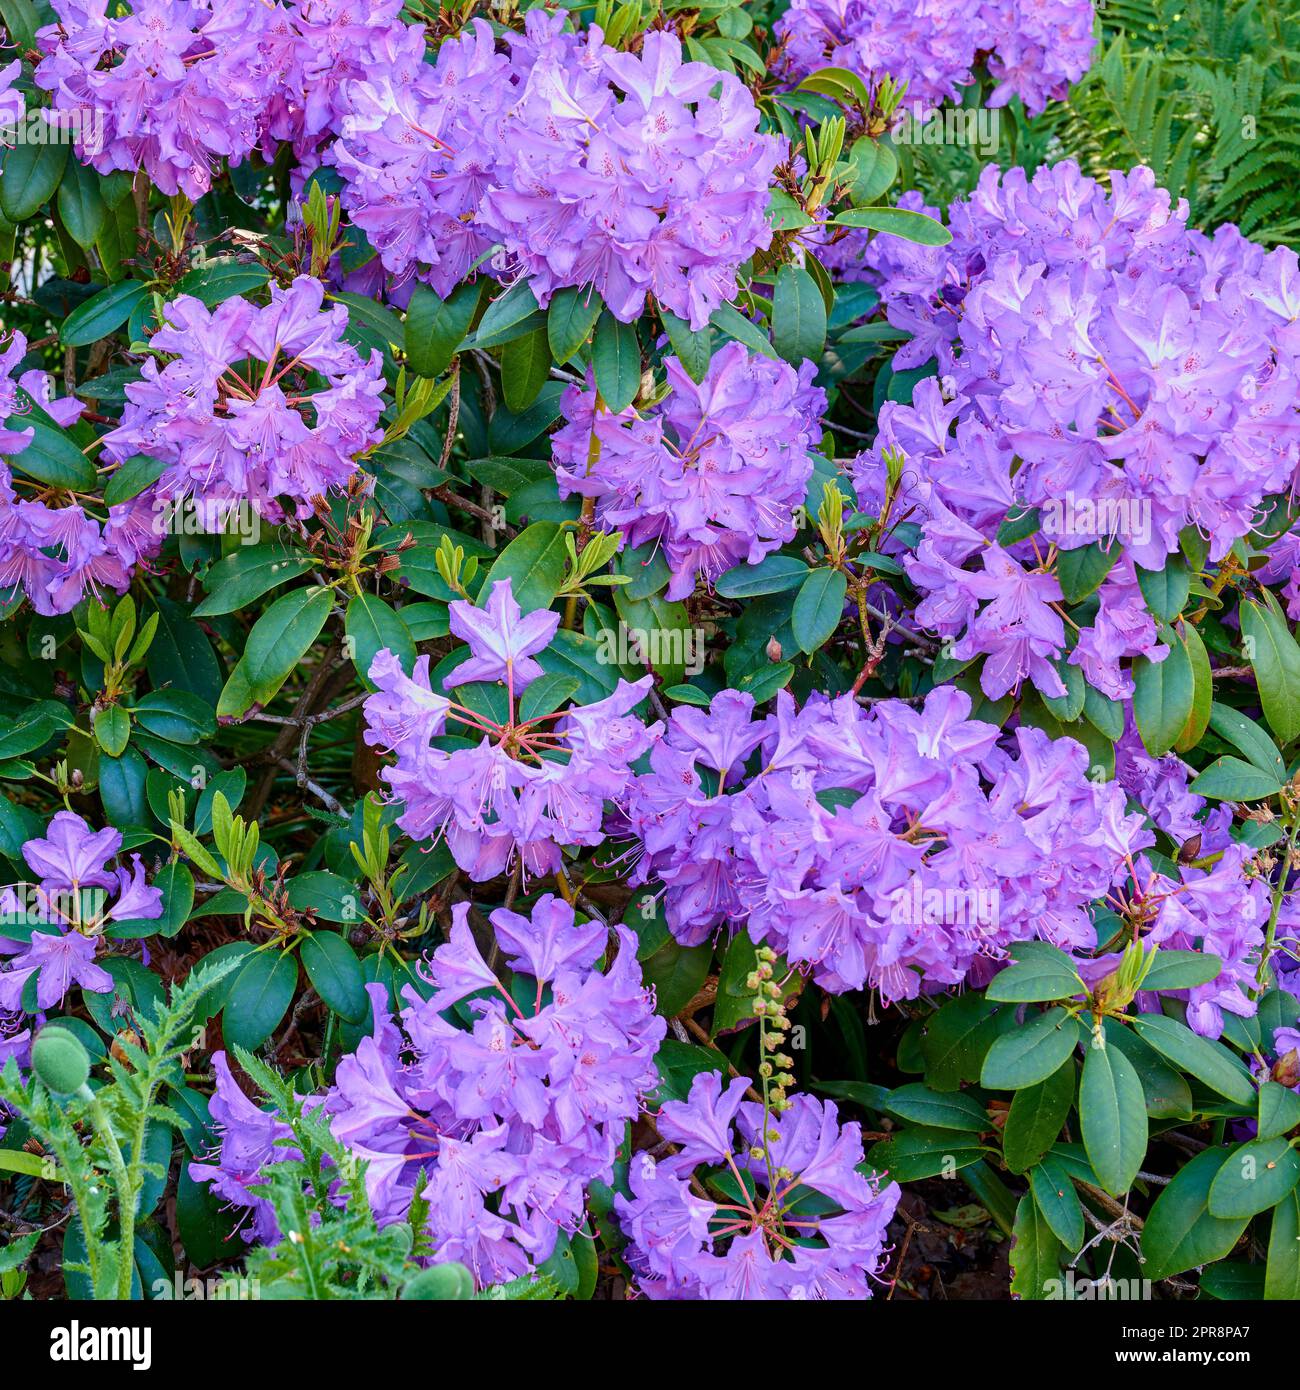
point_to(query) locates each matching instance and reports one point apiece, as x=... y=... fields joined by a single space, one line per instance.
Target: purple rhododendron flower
x=899 y=849
x=635 y=174
x=528 y=786
x=1103 y=365
x=779 y=1242
x=713 y=473
x=12 y=102
x=54 y=549
x=75 y=898
x=1035 y=48
x=500 y=639
x=499 y=1126
x=230 y=438
x=248 y=1140
x=174 y=87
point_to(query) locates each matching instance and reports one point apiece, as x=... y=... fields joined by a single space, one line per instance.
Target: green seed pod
x=60 y=1060
x=441 y=1282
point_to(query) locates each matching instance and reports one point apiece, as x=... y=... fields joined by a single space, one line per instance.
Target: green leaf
x=693 y=350
x=525 y=364
x=1282 y=1272
x=678 y=1064
x=731 y=323
x=1234 y=779
x=923 y=1153
x=570 y=317
x=181 y=656
x=818 y=607
x=435 y=328
x=130 y=479
x=1165 y=590
x=1202 y=689
x=534 y=562
x=1255 y=1177
x=875 y=167
x=1207 y=1061
x=507 y=316
x=331 y=897
x=1163 y=693
x=373 y=625
x=1104 y=714
x=1035 y=1118
x=1272 y=652
x=773 y=574
x=1113 y=1117
x=278 y=641
x=175 y=715
x=1181 y=970
x=335 y=972
x=840 y=84
x=32 y=171
x=1279 y=1110
x=1041 y=972
x=899 y=222
x=1248 y=738
x=955 y=1040
x=798 y=316
x=102 y=313
x=1080 y=572
x=122 y=788
x=616 y=358
x=204 y=1225
x=222 y=279
x=259 y=998
x=545 y=695
x=369 y=319
x=112 y=730
x=248 y=573
x=1035 y=1253
x=1055 y=1197
x=676 y=974
x=1030 y=1053
x=81 y=204
x=1180 y=1233
x=52 y=457
x=938 y=1109
x=31 y=728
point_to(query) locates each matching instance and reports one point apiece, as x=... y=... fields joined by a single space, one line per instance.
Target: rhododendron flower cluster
x=248 y=1140
x=499 y=1126
x=897 y=848
x=175 y=86
x=55 y=554
x=234 y=412
x=774 y=1238
x=1102 y=363
x=713 y=473
x=1220 y=903
x=1034 y=48
x=181 y=87
x=635 y=174
x=75 y=898
x=529 y=785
